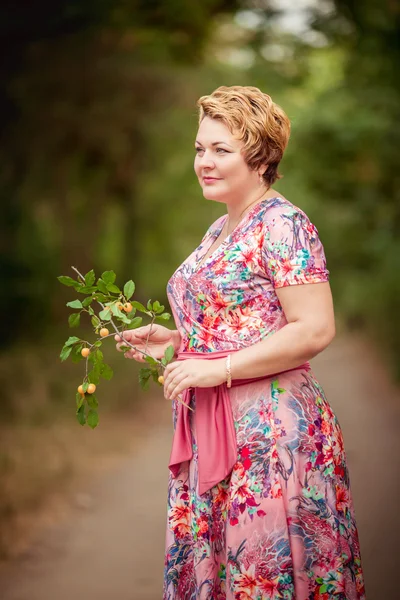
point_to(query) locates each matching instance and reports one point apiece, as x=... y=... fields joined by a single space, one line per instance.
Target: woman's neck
x=238 y=210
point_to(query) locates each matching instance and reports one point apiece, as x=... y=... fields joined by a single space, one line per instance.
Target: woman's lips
x=210 y=179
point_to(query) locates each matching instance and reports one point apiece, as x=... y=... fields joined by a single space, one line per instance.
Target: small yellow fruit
x=91 y=388
x=120 y=306
x=128 y=307
x=80 y=390
x=85 y=352
x=104 y=332
x=161 y=380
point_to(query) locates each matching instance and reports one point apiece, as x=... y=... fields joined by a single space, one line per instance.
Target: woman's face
x=220 y=166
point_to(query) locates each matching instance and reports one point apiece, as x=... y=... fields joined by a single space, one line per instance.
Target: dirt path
x=111 y=546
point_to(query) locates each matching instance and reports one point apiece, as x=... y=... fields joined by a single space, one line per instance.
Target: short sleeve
x=292 y=252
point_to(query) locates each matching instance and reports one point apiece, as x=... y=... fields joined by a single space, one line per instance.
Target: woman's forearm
x=286 y=349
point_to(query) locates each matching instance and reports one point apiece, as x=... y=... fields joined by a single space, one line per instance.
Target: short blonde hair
x=255 y=120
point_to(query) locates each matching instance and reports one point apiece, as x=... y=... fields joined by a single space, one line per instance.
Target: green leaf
x=75 y=304
x=135 y=322
x=99 y=355
x=106 y=372
x=129 y=289
x=113 y=288
x=87 y=301
x=149 y=305
x=80 y=414
x=92 y=401
x=79 y=400
x=145 y=385
x=125 y=348
x=164 y=316
x=150 y=360
x=72 y=340
x=68 y=281
x=76 y=355
x=138 y=306
x=102 y=286
x=115 y=310
x=101 y=297
x=105 y=315
x=119 y=314
x=124 y=319
x=95 y=321
x=155 y=376
x=65 y=352
x=169 y=353
x=98 y=344
x=86 y=289
x=144 y=376
x=92 y=418
x=108 y=277
x=94 y=377
x=156 y=306
x=91 y=311
x=74 y=319
x=90 y=278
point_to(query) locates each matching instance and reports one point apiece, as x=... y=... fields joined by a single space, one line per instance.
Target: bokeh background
x=97 y=123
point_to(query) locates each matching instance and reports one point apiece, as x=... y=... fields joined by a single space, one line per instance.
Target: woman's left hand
x=183 y=374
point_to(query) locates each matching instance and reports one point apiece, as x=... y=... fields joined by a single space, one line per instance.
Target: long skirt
x=282 y=525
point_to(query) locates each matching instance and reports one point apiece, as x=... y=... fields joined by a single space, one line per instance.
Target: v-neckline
x=197 y=266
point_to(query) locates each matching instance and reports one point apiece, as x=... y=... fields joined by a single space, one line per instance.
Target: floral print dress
x=282 y=525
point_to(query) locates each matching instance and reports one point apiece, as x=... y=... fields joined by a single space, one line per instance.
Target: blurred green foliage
x=347 y=146
x=97 y=124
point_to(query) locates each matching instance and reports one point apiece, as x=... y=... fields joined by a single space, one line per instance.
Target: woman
x=259 y=504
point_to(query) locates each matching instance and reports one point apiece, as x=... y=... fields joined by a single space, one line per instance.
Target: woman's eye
x=221 y=149
x=198 y=149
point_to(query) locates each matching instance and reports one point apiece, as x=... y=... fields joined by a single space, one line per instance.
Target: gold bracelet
x=228 y=372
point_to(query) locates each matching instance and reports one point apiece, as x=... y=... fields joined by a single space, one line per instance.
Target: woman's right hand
x=160 y=338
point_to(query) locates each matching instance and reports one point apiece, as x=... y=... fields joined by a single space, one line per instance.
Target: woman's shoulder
x=215 y=226
x=278 y=212
x=279 y=206
x=283 y=219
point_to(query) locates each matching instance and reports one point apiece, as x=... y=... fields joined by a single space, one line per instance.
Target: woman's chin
x=212 y=194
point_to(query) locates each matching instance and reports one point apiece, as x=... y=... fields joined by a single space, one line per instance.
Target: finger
x=168 y=383
x=119 y=346
x=122 y=339
x=171 y=367
x=184 y=384
x=170 y=387
x=143 y=332
x=171 y=384
x=127 y=336
x=130 y=353
x=133 y=354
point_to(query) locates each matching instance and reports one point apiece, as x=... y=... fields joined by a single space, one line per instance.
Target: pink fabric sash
x=216 y=437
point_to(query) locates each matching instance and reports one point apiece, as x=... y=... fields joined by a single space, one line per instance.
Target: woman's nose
x=206 y=160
